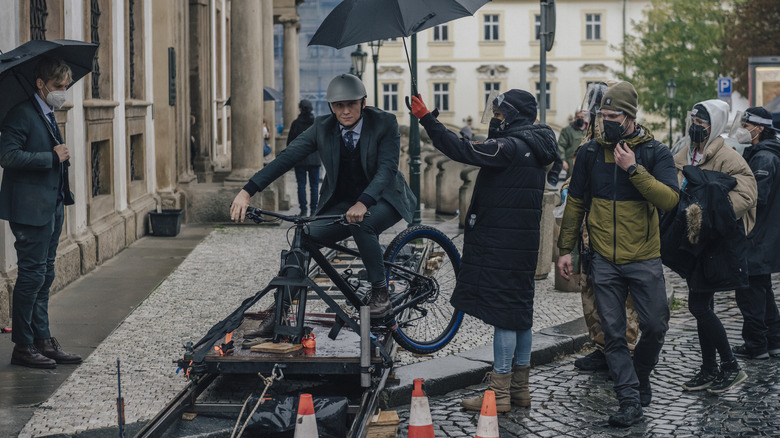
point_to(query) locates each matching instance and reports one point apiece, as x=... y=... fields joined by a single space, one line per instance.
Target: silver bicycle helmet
x=345 y=87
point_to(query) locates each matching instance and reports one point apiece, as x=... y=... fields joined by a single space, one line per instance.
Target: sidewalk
x=123 y=310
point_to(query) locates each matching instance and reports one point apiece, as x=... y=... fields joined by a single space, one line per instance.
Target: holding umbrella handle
x=434 y=113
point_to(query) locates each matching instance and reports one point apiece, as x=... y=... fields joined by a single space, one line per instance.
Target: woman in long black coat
x=501 y=245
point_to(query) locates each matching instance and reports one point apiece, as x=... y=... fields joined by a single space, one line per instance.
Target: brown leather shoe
x=29 y=356
x=51 y=349
x=267 y=326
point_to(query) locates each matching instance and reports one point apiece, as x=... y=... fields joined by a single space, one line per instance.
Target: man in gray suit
x=359 y=147
x=33 y=194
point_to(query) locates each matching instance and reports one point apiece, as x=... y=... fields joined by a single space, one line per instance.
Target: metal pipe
x=365 y=346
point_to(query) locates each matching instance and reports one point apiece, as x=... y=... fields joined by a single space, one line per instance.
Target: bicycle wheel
x=426 y=320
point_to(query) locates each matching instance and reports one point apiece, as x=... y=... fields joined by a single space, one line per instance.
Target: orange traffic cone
x=420 y=422
x=305 y=423
x=487 y=427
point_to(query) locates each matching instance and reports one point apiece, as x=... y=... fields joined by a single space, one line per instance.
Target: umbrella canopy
x=268 y=94
x=360 y=21
x=16 y=67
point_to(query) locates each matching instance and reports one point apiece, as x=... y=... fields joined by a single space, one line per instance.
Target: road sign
x=724 y=88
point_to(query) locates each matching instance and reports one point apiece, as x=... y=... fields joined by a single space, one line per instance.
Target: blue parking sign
x=724 y=88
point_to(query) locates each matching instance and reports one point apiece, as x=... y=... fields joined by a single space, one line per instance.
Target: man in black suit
x=359 y=147
x=33 y=194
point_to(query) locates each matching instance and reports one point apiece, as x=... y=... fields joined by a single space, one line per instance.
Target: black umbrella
x=268 y=94
x=359 y=21
x=16 y=67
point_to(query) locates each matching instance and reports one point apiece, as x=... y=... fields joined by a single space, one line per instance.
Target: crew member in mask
x=761 y=325
x=623 y=198
x=496 y=279
x=34 y=192
x=571 y=138
x=708 y=151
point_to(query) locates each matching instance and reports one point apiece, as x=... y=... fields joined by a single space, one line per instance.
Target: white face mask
x=742 y=135
x=56 y=98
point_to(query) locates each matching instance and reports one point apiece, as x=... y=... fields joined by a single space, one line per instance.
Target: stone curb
x=447 y=374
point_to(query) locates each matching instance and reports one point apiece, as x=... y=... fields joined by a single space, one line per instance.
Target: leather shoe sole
x=40 y=365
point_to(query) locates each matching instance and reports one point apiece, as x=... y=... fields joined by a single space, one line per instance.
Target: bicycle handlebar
x=256 y=214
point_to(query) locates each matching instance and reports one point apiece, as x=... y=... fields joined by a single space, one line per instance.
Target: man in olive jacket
x=623 y=231
x=33 y=196
x=359 y=147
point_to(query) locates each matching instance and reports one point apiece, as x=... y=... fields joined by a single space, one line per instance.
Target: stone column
x=268 y=65
x=200 y=88
x=246 y=90
x=291 y=72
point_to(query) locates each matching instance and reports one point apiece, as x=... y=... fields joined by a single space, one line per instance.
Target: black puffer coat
x=496 y=279
x=701 y=239
x=764 y=238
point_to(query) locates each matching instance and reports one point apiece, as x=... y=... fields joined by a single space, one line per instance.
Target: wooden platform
x=340 y=356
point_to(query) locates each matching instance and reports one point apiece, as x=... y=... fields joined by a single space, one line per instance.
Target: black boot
x=380 y=303
x=51 y=349
x=29 y=356
x=627 y=415
x=266 y=327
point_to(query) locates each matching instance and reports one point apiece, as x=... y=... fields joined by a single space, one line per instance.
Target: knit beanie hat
x=621 y=97
x=517 y=106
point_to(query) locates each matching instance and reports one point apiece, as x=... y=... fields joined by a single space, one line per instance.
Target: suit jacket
x=380 y=147
x=31 y=177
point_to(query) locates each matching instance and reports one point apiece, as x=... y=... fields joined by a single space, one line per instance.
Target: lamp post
x=671 y=90
x=359 y=61
x=375 y=45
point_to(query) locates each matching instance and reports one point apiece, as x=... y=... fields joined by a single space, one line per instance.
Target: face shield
x=591 y=103
x=488 y=113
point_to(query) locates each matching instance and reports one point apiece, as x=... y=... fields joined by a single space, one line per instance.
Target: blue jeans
x=36 y=250
x=508 y=345
x=314 y=184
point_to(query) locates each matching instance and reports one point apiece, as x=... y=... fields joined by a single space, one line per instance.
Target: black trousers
x=761 y=326
x=36 y=250
x=712 y=335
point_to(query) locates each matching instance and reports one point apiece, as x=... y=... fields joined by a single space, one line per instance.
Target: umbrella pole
x=414 y=80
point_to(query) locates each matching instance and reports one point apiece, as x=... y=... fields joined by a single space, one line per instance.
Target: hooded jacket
x=764 y=239
x=623 y=219
x=721 y=158
x=501 y=240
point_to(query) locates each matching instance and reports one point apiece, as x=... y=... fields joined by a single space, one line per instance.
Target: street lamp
x=671 y=90
x=359 y=61
x=375 y=45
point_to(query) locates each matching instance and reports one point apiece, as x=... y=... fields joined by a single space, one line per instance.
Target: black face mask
x=698 y=133
x=613 y=131
x=494 y=127
x=579 y=123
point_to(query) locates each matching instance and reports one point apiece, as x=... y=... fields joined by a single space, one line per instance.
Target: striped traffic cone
x=487 y=427
x=420 y=422
x=305 y=423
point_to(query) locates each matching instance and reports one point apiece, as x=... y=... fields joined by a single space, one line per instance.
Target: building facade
x=149 y=128
x=460 y=62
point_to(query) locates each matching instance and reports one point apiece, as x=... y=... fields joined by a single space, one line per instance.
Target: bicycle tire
x=430 y=325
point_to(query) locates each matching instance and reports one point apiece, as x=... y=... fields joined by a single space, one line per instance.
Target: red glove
x=418 y=107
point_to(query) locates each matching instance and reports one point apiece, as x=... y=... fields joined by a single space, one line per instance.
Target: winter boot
x=498 y=383
x=379 y=304
x=267 y=326
x=519 y=388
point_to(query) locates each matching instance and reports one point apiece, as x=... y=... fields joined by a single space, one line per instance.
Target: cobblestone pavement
x=228 y=266
x=569 y=403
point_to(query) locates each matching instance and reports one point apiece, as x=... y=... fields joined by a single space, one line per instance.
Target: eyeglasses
x=610 y=115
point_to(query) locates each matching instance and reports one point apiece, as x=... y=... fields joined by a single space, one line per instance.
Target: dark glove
x=418 y=107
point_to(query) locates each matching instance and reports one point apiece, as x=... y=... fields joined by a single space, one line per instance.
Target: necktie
x=54 y=127
x=349 y=141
